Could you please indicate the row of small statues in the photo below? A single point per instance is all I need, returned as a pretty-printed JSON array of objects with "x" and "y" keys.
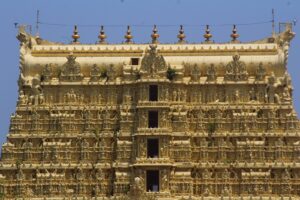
[{"x": 177, "y": 95}]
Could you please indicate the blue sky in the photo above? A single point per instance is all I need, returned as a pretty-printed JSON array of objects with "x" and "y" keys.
[{"x": 117, "y": 14}]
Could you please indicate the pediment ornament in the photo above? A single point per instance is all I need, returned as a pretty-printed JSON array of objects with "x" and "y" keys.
[
  {"x": 153, "y": 64},
  {"x": 71, "y": 70},
  {"x": 236, "y": 70}
]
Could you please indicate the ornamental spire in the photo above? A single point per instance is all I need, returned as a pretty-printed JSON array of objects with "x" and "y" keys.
[
  {"x": 128, "y": 36},
  {"x": 181, "y": 35},
  {"x": 207, "y": 34},
  {"x": 234, "y": 34},
  {"x": 155, "y": 35},
  {"x": 75, "y": 36},
  {"x": 102, "y": 36}
]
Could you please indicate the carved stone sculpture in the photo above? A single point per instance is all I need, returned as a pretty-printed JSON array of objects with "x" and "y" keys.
[{"x": 236, "y": 70}]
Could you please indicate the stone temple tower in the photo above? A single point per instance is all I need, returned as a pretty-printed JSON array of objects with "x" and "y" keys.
[{"x": 153, "y": 121}]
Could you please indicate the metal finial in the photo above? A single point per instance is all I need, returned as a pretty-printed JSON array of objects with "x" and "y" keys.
[
  {"x": 181, "y": 35},
  {"x": 102, "y": 36},
  {"x": 234, "y": 34},
  {"x": 207, "y": 34},
  {"x": 128, "y": 36},
  {"x": 75, "y": 35},
  {"x": 155, "y": 35}
]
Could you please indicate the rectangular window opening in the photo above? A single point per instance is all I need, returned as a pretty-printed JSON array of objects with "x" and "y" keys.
[
  {"x": 134, "y": 61},
  {"x": 152, "y": 148},
  {"x": 153, "y": 181},
  {"x": 153, "y": 93},
  {"x": 153, "y": 119}
]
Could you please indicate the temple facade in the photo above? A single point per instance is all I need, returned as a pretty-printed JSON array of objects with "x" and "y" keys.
[{"x": 153, "y": 121}]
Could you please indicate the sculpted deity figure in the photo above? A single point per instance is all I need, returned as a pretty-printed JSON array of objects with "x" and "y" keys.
[
  {"x": 279, "y": 148},
  {"x": 41, "y": 98},
  {"x": 23, "y": 99},
  {"x": 70, "y": 97},
  {"x": 252, "y": 95},
  {"x": 174, "y": 95},
  {"x": 95, "y": 73},
  {"x": 207, "y": 191},
  {"x": 195, "y": 73},
  {"x": 27, "y": 146},
  {"x": 85, "y": 113},
  {"x": 226, "y": 174},
  {"x": 36, "y": 91},
  {"x": 179, "y": 95},
  {"x": 286, "y": 175},
  {"x": 260, "y": 72},
  {"x": 100, "y": 98},
  {"x": 184, "y": 95},
  {"x": 20, "y": 175},
  {"x": 211, "y": 73},
  {"x": 286, "y": 96},
  {"x": 286, "y": 80},
  {"x": 47, "y": 72},
  {"x": 165, "y": 180},
  {"x": 236, "y": 96},
  {"x": 166, "y": 94},
  {"x": 271, "y": 95},
  {"x": 99, "y": 175},
  {"x": 84, "y": 145},
  {"x": 142, "y": 149},
  {"x": 206, "y": 174},
  {"x": 79, "y": 174},
  {"x": 143, "y": 117},
  {"x": 227, "y": 190},
  {"x": 81, "y": 98},
  {"x": 28, "y": 191},
  {"x": 138, "y": 186}
]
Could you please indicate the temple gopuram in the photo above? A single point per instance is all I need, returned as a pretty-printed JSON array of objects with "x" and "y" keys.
[{"x": 153, "y": 121}]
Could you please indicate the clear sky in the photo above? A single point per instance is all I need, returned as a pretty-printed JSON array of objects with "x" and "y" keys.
[{"x": 117, "y": 14}]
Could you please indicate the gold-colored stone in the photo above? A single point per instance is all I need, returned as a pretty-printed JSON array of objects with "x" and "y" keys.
[{"x": 141, "y": 122}]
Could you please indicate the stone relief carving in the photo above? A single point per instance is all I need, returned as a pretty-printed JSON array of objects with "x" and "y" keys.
[
  {"x": 153, "y": 64},
  {"x": 252, "y": 95},
  {"x": 22, "y": 99},
  {"x": 236, "y": 70},
  {"x": 211, "y": 73},
  {"x": 271, "y": 90},
  {"x": 95, "y": 73},
  {"x": 36, "y": 96},
  {"x": 73, "y": 97},
  {"x": 260, "y": 72},
  {"x": 192, "y": 70},
  {"x": 47, "y": 72},
  {"x": 71, "y": 70}
]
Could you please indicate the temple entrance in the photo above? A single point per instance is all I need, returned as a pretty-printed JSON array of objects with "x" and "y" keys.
[
  {"x": 153, "y": 181},
  {"x": 153, "y": 93},
  {"x": 152, "y": 148},
  {"x": 153, "y": 119}
]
